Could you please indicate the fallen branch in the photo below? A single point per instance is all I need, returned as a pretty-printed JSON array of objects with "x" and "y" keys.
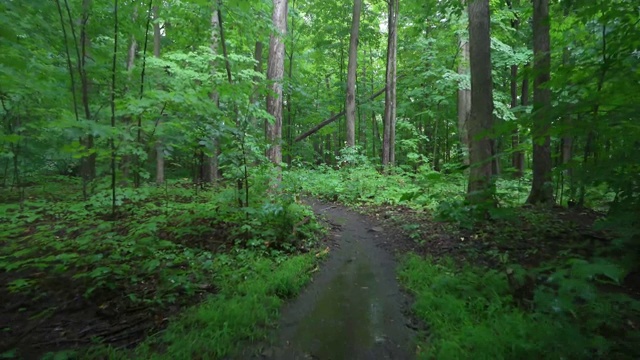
[{"x": 335, "y": 117}]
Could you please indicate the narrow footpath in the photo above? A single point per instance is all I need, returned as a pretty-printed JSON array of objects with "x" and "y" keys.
[{"x": 354, "y": 308}]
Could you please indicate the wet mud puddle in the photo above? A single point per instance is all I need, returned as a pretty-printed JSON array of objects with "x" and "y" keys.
[{"x": 354, "y": 308}]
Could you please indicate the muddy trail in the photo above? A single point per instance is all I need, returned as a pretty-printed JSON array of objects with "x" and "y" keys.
[{"x": 354, "y": 308}]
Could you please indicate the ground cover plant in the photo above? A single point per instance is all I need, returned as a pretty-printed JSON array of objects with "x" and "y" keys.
[
  {"x": 477, "y": 313},
  {"x": 73, "y": 279}
]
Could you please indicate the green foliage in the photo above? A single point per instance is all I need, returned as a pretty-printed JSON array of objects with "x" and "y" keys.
[
  {"x": 472, "y": 314},
  {"x": 165, "y": 236},
  {"x": 363, "y": 184},
  {"x": 251, "y": 290},
  {"x": 249, "y": 300}
]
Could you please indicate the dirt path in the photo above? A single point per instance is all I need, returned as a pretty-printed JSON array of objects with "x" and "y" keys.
[{"x": 353, "y": 309}]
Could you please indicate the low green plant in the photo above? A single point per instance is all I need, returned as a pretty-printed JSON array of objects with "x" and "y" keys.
[
  {"x": 251, "y": 290},
  {"x": 477, "y": 313}
]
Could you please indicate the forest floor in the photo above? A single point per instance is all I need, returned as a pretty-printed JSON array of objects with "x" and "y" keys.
[{"x": 363, "y": 302}]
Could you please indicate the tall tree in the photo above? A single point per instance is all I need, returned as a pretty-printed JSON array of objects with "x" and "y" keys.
[
  {"x": 481, "y": 118},
  {"x": 541, "y": 189},
  {"x": 566, "y": 149},
  {"x": 131, "y": 58},
  {"x": 257, "y": 56},
  {"x": 157, "y": 36},
  {"x": 112, "y": 141},
  {"x": 291, "y": 52},
  {"x": 517, "y": 155},
  {"x": 88, "y": 162},
  {"x": 275, "y": 73},
  {"x": 351, "y": 74},
  {"x": 211, "y": 161},
  {"x": 389, "y": 135},
  {"x": 464, "y": 99}
]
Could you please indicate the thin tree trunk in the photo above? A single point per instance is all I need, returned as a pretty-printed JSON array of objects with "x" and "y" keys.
[
  {"x": 362, "y": 132},
  {"x": 541, "y": 189},
  {"x": 342, "y": 108},
  {"x": 388, "y": 146},
  {"x": 112, "y": 141},
  {"x": 464, "y": 100},
  {"x": 590, "y": 148},
  {"x": 131, "y": 58},
  {"x": 138, "y": 163},
  {"x": 257, "y": 56},
  {"x": 481, "y": 118},
  {"x": 517, "y": 156},
  {"x": 566, "y": 146},
  {"x": 350, "y": 105},
  {"x": 290, "y": 90},
  {"x": 435, "y": 156},
  {"x": 275, "y": 73},
  {"x": 211, "y": 161},
  {"x": 374, "y": 124},
  {"x": 159, "y": 146},
  {"x": 87, "y": 163}
]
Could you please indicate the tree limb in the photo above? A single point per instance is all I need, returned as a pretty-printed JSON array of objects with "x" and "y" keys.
[{"x": 328, "y": 121}]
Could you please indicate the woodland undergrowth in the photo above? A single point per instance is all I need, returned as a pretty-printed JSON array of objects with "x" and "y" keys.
[
  {"x": 166, "y": 249},
  {"x": 506, "y": 282}
]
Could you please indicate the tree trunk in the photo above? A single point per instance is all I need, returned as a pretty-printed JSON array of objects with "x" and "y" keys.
[
  {"x": 211, "y": 161},
  {"x": 388, "y": 143},
  {"x": 541, "y": 189},
  {"x": 481, "y": 117},
  {"x": 464, "y": 100},
  {"x": 275, "y": 73},
  {"x": 352, "y": 67},
  {"x": 88, "y": 163},
  {"x": 289, "y": 136},
  {"x": 362, "y": 122},
  {"x": 159, "y": 147},
  {"x": 257, "y": 56},
  {"x": 517, "y": 156},
  {"x": 131, "y": 57},
  {"x": 566, "y": 149}
]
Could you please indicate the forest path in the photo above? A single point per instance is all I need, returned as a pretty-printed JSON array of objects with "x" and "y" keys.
[{"x": 354, "y": 308}]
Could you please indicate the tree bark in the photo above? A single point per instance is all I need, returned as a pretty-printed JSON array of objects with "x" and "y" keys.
[
  {"x": 389, "y": 136},
  {"x": 541, "y": 189},
  {"x": 131, "y": 58},
  {"x": 464, "y": 101},
  {"x": 289, "y": 136},
  {"x": 566, "y": 149},
  {"x": 159, "y": 146},
  {"x": 211, "y": 161},
  {"x": 481, "y": 117},
  {"x": 517, "y": 156},
  {"x": 88, "y": 163},
  {"x": 257, "y": 57},
  {"x": 352, "y": 67},
  {"x": 275, "y": 73}
]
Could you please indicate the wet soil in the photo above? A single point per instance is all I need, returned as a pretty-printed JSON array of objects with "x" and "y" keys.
[{"x": 354, "y": 308}]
